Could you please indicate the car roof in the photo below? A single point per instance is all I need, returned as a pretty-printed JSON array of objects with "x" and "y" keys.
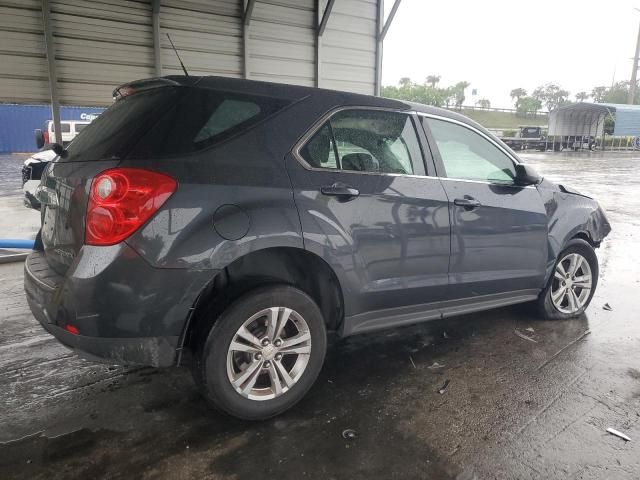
[
  {"x": 332, "y": 98},
  {"x": 299, "y": 92}
]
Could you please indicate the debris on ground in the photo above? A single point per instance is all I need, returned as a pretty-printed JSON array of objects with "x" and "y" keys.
[
  {"x": 444, "y": 387},
  {"x": 349, "y": 434},
  {"x": 444, "y": 335},
  {"x": 615, "y": 432},
  {"x": 523, "y": 336},
  {"x": 435, "y": 366},
  {"x": 607, "y": 307},
  {"x": 414, "y": 365},
  {"x": 530, "y": 330}
]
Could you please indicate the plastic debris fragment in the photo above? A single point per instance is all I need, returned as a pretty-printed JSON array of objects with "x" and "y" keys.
[
  {"x": 444, "y": 387},
  {"x": 615, "y": 432},
  {"x": 523, "y": 336}
]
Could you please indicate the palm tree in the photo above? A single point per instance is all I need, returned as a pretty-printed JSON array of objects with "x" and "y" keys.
[
  {"x": 405, "y": 81},
  {"x": 433, "y": 80}
]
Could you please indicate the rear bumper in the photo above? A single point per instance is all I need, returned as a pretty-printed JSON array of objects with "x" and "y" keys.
[
  {"x": 151, "y": 351},
  {"x": 125, "y": 311}
]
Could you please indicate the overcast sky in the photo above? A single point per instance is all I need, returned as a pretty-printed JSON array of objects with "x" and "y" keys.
[{"x": 498, "y": 45}]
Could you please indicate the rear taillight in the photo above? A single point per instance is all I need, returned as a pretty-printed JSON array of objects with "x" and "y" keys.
[
  {"x": 45, "y": 135},
  {"x": 121, "y": 200}
]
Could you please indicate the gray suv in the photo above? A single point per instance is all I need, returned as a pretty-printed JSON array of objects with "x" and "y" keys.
[{"x": 239, "y": 221}]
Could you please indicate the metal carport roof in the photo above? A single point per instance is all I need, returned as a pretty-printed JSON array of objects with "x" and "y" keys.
[{"x": 587, "y": 119}]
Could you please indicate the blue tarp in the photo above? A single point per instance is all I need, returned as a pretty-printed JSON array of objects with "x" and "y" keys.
[{"x": 17, "y": 123}]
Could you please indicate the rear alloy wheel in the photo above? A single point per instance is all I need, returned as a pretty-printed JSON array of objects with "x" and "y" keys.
[
  {"x": 269, "y": 353},
  {"x": 572, "y": 284},
  {"x": 263, "y": 353}
]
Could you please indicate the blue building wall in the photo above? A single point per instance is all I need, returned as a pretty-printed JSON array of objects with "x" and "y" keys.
[{"x": 17, "y": 123}]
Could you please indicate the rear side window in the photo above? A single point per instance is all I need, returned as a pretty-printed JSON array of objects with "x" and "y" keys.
[
  {"x": 169, "y": 121},
  {"x": 202, "y": 118}
]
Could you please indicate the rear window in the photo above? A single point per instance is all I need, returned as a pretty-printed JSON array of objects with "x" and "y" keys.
[
  {"x": 170, "y": 121},
  {"x": 113, "y": 133},
  {"x": 80, "y": 127}
]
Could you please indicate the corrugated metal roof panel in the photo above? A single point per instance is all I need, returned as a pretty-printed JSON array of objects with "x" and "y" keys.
[
  {"x": 349, "y": 46},
  {"x": 23, "y": 67}
]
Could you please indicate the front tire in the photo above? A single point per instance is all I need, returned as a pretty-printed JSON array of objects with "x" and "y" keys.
[
  {"x": 572, "y": 284},
  {"x": 263, "y": 353}
]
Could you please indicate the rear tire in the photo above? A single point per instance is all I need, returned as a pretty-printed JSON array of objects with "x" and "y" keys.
[
  {"x": 568, "y": 293},
  {"x": 263, "y": 353}
]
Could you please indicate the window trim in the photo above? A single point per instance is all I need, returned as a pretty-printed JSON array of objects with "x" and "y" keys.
[
  {"x": 327, "y": 116},
  {"x": 440, "y": 164}
]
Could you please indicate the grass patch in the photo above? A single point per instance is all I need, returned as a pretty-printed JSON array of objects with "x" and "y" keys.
[{"x": 503, "y": 120}]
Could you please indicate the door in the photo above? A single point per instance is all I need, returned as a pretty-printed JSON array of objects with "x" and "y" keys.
[
  {"x": 498, "y": 229},
  {"x": 369, "y": 209}
]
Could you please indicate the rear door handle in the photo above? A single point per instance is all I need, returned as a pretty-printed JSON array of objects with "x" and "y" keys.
[
  {"x": 468, "y": 203},
  {"x": 339, "y": 189}
]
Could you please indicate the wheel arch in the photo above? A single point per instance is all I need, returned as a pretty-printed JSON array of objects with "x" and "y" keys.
[{"x": 275, "y": 265}]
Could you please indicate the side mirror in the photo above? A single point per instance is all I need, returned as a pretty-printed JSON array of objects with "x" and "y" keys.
[
  {"x": 58, "y": 150},
  {"x": 526, "y": 175},
  {"x": 39, "y": 138}
]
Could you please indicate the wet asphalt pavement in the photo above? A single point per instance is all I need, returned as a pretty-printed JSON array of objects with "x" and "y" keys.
[{"x": 513, "y": 408}]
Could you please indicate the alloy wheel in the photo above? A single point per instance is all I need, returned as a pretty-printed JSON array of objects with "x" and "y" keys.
[
  {"x": 572, "y": 283},
  {"x": 269, "y": 353}
]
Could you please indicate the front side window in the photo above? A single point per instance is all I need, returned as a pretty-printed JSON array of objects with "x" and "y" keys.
[
  {"x": 370, "y": 141},
  {"x": 466, "y": 155}
]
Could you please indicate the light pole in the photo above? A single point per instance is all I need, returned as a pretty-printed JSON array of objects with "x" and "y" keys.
[{"x": 634, "y": 72}]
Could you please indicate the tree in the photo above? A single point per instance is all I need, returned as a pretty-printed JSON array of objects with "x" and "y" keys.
[
  {"x": 483, "y": 103},
  {"x": 617, "y": 93},
  {"x": 516, "y": 95},
  {"x": 433, "y": 80},
  {"x": 422, "y": 93},
  {"x": 598, "y": 94},
  {"x": 582, "y": 96},
  {"x": 529, "y": 105},
  {"x": 458, "y": 92},
  {"x": 551, "y": 95}
]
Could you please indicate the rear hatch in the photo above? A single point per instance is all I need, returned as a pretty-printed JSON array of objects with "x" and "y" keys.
[
  {"x": 153, "y": 122},
  {"x": 66, "y": 182}
]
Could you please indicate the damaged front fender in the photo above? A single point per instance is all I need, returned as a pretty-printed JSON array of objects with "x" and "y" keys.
[{"x": 571, "y": 215}]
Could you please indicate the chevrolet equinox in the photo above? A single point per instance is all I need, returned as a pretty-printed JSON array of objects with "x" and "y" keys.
[{"x": 240, "y": 221}]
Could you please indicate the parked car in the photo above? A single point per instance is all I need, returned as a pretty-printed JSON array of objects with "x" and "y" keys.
[
  {"x": 70, "y": 130},
  {"x": 239, "y": 221},
  {"x": 32, "y": 169}
]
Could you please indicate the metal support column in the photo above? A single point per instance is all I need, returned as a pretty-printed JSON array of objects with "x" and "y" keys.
[
  {"x": 322, "y": 25},
  {"x": 382, "y": 27},
  {"x": 51, "y": 64},
  {"x": 246, "y": 21},
  {"x": 634, "y": 73},
  {"x": 155, "y": 20}
]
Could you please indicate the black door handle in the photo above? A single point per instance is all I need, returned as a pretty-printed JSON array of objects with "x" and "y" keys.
[
  {"x": 469, "y": 203},
  {"x": 340, "y": 190}
]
